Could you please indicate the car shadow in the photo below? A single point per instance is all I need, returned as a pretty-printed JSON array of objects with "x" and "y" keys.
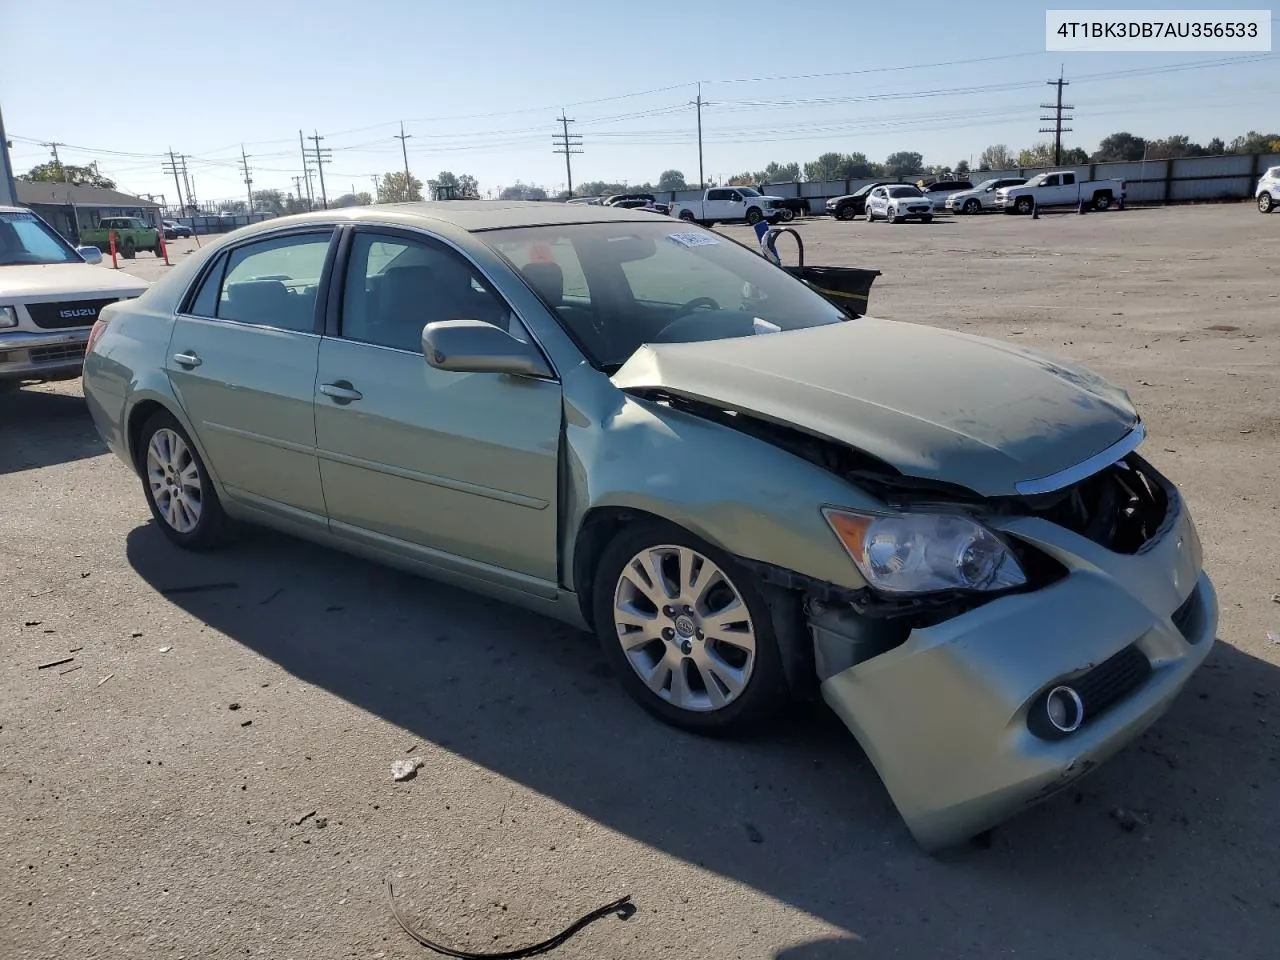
[
  {"x": 797, "y": 814},
  {"x": 40, "y": 428}
]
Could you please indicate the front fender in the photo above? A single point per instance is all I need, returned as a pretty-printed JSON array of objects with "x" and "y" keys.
[{"x": 737, "y": 492}]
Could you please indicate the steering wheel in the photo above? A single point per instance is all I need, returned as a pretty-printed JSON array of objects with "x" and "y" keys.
[{"x": 695, "y": 303}]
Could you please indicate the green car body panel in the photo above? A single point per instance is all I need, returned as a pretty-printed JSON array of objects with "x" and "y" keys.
[{"x": 495, "y": 482}]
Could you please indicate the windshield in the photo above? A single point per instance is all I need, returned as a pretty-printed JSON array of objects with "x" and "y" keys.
[
  {"x": 905, "y": 192},
  {"x": 747, "y": 191},
  {"x": 25, "y": 239},
  {"x": 618, "y": 286}
]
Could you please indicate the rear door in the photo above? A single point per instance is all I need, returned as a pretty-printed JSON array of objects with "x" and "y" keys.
[
  {"x": 1069, "y": 192},
  {"x": 719, "y": 206},
  {"x": 242, "y": 361}
]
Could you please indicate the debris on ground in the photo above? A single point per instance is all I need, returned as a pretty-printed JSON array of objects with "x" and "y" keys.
[
  {"x": 406, "y": 769},
  {"x": 63, "y": 673},
  {"x": 1273, "y": 637},
  {"x": 105, "y": 679},
  {"x": 74, "y": 649},
  {"x": 201, "y": 588},
  {"x": 622, "y": 907},
  {"x": 246, "y": 723},
  {"x": 233, "y": 706},
  {"x": 165, "y": 649},
  {"x": 1128, "y": 820},
  {"x": 304, "y": 818},
  {"x": 54, "y": 663}
]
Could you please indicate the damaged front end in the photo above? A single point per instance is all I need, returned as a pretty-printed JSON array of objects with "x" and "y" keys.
[
  {"x": 973, "y": 707},
  {"x": 974, "y": 704}
]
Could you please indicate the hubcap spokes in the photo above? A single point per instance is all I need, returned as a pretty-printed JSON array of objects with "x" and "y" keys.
[
  {"x": 684, "y": 628},
  {"x": 174, "y": 480}
]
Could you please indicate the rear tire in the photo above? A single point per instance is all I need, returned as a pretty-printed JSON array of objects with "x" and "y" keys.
[
  {"x": 787, "y": 215},
  {"x": 709, "y": 671},
  {"x": 686, "y": 216},
  {"x": 1102, "y": 202},
  {"x": 1266, "y": 204},
  {"x": 177, "y": 486}
]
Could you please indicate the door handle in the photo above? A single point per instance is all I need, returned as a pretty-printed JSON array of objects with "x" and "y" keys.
[
  {"x": 341, "y": 392},
  {"x": 187, "y": 359}
]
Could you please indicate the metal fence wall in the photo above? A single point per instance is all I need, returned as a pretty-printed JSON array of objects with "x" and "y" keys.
[{"x": 1185, "y": 180}]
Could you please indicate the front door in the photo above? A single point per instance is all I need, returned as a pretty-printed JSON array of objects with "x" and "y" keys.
[
  {"x": 242, "y": 361},
  {"x": 427, "y": 462}
]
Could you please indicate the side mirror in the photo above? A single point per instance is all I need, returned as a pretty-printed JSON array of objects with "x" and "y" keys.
[
  {"x": 990, "y": 189},
  {"x": 90, "y": 254},
  {"x": 473, "y": 346}
]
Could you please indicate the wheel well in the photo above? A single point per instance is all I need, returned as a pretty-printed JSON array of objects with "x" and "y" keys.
[
  {"x": 599, "y": 526},
  {"x": 137, "y": 418}
]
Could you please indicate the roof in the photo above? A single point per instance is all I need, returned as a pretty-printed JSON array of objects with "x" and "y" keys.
[
  {"x": 42, "y": 191},
  {"x": 473, "y": 215}
]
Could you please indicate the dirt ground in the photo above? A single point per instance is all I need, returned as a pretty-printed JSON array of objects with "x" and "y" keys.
[{"x": 213, "y": 780}]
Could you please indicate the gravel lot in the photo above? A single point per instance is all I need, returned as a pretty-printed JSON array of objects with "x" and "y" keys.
[{"x": 150, "y": 800}]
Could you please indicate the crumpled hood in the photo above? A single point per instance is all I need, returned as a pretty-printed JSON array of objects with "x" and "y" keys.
[
  {"x": 57, "y": 281},
  {"x": 935, "y": 404}
]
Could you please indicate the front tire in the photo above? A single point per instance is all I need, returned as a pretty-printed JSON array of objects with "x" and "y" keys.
[
  {"x": 687, "y": 631},
  {"x": 926, "y": 219},
  {"x": 1023, "y": 205},
  {"x": 130, "y": 251},
  {"x": 754, "y": 216},
  {"x": 847, "y": 212},
  {"x": 871, "y": 217},
  {"x": 1265, "y": 203},
  {"x": 972, "y": 205},
  {"x": 177, "y": 487},
  {"x": 787, "y": 215}
]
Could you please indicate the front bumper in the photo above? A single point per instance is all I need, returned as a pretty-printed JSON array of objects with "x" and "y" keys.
[
  {"x": 944, "y": 716},
  {"x": 53, "y": 355}
]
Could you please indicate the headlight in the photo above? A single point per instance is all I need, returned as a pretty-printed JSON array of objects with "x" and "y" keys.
[
  {"x": 910, "y": 553},
  {"x": 8, "y": 317}
]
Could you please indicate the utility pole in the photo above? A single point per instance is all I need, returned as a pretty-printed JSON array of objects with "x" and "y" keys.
[
  {"x": 172, "y": 167},
  {"x": 322, "y": 157},
  {"x": 8, "y": 188},
  {"x": 191, "y": 190},
  {"x": 56, "y": 162},
  {"x": 306, "y": 171},
  {"x": 1057, "y": 129},
  {"x": 377, "y": 186},
  {"x": 297, "y": 187},
  {"x": 248, "y": 180},
  {"x": 700, "y": 103},
  {"x": 404, "y": 150},
  {"x": 565, "y": 142}
]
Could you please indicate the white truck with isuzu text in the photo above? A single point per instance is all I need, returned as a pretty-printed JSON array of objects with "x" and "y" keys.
[
  {"x": 1059, "y": 188},
  {"x": 50, "y": 297},
  {"x": 729, "y": 205}
]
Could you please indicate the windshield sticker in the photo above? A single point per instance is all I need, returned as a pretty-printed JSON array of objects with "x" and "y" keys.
[
  {"x": 16, "y": 217},
  {"x": 764, "y": 326},
  {"x": 693, "y": 239}
]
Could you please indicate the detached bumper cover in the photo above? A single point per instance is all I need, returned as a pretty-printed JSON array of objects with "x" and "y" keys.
[{"x": 944, "y": 717}]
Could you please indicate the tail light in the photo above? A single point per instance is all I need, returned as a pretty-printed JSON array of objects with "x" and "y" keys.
[{"x": 95, "y": 334}]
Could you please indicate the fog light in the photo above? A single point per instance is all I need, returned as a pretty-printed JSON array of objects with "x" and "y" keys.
[{"x": 1064, "y": 709}]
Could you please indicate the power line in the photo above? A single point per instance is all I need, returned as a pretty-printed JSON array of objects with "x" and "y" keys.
[
  {"x": 565, "y": 142},
  {"x": 1057, "y": 129}
]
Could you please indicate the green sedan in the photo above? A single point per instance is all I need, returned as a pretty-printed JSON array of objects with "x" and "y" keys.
[{"x": 651, "y": 432}]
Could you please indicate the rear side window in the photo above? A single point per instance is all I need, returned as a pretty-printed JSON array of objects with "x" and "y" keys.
[
  {"x": 205, "y": 303},
  {"x": 275, "y": 283}
]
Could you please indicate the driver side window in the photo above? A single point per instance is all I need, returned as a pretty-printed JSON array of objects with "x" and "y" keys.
[{"x": 395, "y": 286}]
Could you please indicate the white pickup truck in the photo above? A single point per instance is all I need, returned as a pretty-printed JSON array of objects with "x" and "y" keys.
[
  {"x": 729, "y": 205},
  {"x": 50, "y": 295},
  {"x": 1058, "y": 188}
]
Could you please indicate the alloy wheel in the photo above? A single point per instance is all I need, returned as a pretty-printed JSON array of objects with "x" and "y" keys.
[
  {"x": 174, "y": 481},
  {"x": 684, "y": 628}
]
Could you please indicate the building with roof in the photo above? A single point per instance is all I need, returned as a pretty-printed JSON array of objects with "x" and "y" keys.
[{"x": 69, "y": 207}]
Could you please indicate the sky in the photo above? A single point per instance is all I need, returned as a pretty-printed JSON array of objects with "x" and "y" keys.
[{"x": 479, "y": 86}]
